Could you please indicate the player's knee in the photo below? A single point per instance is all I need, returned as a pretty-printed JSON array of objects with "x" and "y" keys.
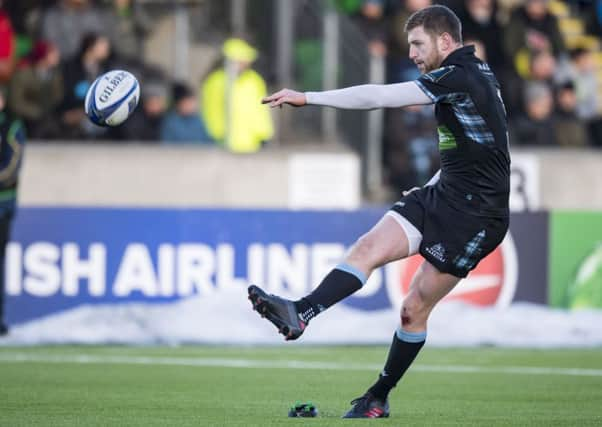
[{"x": 413, "y": 310}]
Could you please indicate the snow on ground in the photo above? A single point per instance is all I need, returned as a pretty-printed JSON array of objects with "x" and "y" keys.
[{"x": 227, "y": 318}]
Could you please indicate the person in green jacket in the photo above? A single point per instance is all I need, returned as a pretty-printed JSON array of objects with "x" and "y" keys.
[
  {"x": 231, "y": 101},
  {"x": 36, "y": 91}
]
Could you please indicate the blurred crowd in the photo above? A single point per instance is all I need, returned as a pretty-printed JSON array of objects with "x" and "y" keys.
[
  {"x": 550, "y": 89},
  {"x": 52, "y": 51}
]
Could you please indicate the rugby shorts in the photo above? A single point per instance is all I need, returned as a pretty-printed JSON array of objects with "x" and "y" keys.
[{"x": 451, "y": 240}]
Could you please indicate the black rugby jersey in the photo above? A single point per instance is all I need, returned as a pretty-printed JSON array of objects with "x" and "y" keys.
[{"x": 473, "y": 137}]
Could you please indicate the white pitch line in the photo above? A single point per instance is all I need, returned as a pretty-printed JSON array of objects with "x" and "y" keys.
[{"x": 284, "y": 364}]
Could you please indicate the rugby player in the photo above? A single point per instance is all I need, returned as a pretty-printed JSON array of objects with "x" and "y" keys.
[{"x": 454, "y": 221}]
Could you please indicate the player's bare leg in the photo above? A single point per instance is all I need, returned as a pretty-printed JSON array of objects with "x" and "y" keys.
[
  {"x": 428, "y": 287},
  {"x": 385, "y": 242}
]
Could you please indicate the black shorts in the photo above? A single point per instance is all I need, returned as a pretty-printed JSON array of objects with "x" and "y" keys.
[{"x": 453, "y": 241}]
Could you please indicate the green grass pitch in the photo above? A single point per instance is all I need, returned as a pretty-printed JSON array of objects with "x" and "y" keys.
[{"x": 255, "y": 386}]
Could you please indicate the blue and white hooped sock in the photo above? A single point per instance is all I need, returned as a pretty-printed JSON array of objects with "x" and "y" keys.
[
  {"x": 411, "y": 337},
  {"x": 347, "y": 268}
]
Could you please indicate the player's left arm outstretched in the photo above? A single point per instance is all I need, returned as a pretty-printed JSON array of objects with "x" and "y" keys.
[{"x": 362, "y": 97}]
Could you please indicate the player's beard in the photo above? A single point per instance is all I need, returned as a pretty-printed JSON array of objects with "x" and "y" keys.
[{"x": 432, "y": 63}]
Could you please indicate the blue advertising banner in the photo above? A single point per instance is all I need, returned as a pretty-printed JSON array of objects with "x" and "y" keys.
[{"x": 61, "y": 258}]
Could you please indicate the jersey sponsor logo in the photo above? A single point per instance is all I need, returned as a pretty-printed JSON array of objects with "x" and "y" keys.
[
  {"x": 447, "y": 141},
  {"x": 492, "y": 283}
]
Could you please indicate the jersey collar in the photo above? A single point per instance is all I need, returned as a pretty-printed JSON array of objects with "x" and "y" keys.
[{"x": 456, "y": 55}]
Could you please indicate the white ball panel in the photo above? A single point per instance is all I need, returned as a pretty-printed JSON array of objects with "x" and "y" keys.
[{"x": 115, "y": 96}]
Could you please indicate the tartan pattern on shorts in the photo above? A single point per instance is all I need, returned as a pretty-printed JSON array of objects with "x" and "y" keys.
[{"x": 472, "y": 250}]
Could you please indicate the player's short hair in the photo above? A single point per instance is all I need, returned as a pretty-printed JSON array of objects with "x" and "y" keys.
[{"x": 436, "y": 20}]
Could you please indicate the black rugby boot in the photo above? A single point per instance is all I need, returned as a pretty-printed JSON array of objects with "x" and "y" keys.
[
  {"x": 281, "y": 312},
  {"x": 368, "y": 406}
]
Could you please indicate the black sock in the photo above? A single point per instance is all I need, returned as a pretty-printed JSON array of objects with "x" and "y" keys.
[
  {"x": 341, "y": 282},
  {"x": 403, "y": 351},
  {"x": 306, "y": 310}
]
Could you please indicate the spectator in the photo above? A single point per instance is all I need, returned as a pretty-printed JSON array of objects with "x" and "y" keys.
[
  {"x": 20, "y": 13},
  {"x": 129, "y": 24},
  {"x": 7, "y": 46},
  {"x": 412, "y": 153},
  {"x": 183, "y": 123},
  {"x": 531, "y": 28},
  {"x": 36, "y": 91},
  {"x": 536, "y": 127},
  {"x": 569, "y": 130},
  {"x": 349, "y": 7},
  {"x": 66, "y": 24},
  {"x": 25, "y": 19},
  {"x": 145, "y": 123},
  {"x": 12, "y": 138},
  {"x": 542, "y": 66},
  {"x": 372, "y": 22},
  {"x": 231, "y": 101},
  {"x": 78, "y": 75},
  {"x": 582, "y": 71},
  {"x": 592, "y": 15},
  {"x": 479, "y": 23}
]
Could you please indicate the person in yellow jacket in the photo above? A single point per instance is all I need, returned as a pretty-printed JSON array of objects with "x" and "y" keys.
[{"x": 231, "y": 101}]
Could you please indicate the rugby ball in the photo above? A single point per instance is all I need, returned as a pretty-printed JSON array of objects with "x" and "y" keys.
[{"x": 112, "y": 98}]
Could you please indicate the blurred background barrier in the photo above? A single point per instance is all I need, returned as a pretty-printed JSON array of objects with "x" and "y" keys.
[
  {"x": 309, "y": 176},
  {"x": 168, "y": 176}
]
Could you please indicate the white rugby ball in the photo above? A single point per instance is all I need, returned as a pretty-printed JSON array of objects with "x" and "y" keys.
[{"x": 112, "y": 98}]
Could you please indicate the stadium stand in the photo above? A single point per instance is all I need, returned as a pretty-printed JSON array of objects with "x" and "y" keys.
[{"x": 537, "y": 47}]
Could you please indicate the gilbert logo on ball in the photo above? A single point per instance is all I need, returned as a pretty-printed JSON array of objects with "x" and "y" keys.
[
  {"x": 112, "y": 98},
  {"x": 491, "y": 283}
]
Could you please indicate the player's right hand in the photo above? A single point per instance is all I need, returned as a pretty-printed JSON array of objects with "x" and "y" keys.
[{"x": 285, "y": 96}]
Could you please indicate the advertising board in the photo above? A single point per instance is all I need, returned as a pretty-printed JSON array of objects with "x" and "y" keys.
[{"x": 63, "y": 258}]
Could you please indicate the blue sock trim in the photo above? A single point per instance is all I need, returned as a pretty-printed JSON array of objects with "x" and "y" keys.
[
  {"x": 353, "y": 271},
  {"x": 413, "y": 337}
]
